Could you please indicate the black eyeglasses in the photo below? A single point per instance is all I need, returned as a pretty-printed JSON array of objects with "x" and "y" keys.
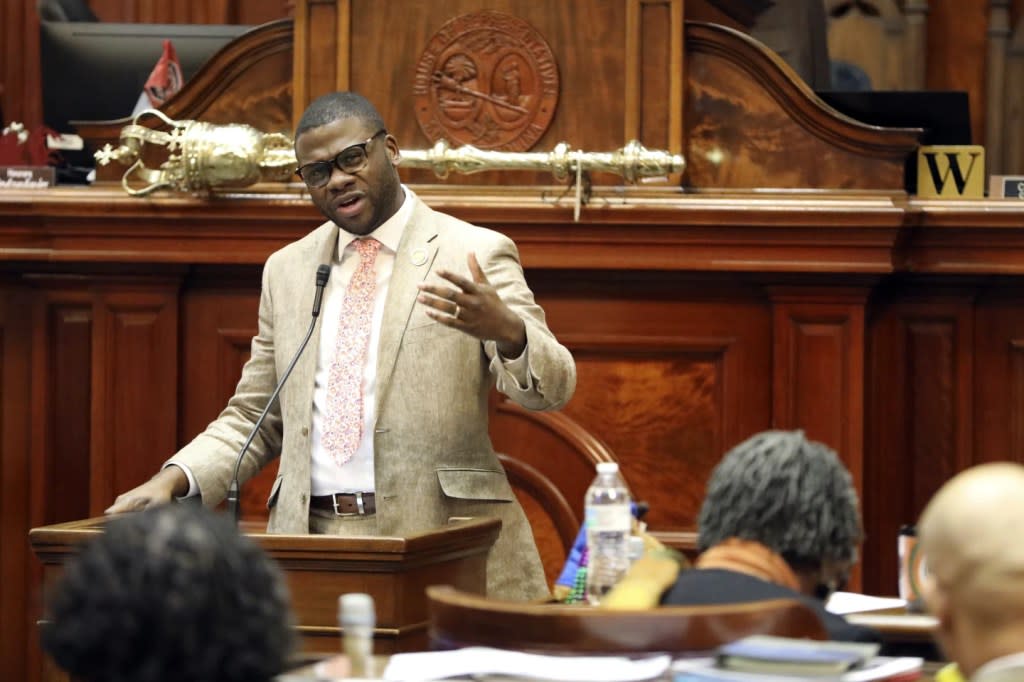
[{"x": 351, "y": 159}]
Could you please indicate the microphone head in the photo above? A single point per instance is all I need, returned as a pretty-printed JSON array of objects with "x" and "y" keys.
[{"x": 322, "y": 273}]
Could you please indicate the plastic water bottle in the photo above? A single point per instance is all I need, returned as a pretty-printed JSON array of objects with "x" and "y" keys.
[
  {"x": 357, "y": 618},
  {"x": 609, "y": 525}
]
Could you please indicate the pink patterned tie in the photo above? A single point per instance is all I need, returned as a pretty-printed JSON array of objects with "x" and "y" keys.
[{"x": 344, "y": 416}]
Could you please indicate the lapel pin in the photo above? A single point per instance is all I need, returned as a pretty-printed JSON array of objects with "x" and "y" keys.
[{"x": 418, "y": 256}]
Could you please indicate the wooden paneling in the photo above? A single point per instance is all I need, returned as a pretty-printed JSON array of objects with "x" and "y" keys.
[
  {"x": 819, "y": 368},
  {"x": 957, "y": 46},
  {"x": 1016, "y": 406},
  {"x": 219, "y": 316},
  {"x": 654, "y": 56},
  {"x": 659, "y": 370},
  {"x": 323, "y": 65},
  {"x": 999, "y": 377},
  {"x": 68, "y": 388},
  {"x": 587, "y": 38},
  {"x": 135, "y": 362},
  {"x": 20, "y": 73},
  {"x": 17, "y": 599},
  {"x": 920, "y": 411},
  {"x": 191, "y": 11}
]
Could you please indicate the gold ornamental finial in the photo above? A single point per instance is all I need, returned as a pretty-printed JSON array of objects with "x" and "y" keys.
[{"x": 200, "y": 156}]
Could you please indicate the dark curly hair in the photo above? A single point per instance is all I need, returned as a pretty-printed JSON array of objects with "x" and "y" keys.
[
  {"x": 787, "y": 493},
  {"x": 171, "y": 593}
]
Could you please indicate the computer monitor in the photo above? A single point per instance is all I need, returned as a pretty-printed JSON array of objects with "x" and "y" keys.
[
  {"x": 96, "y": 71},
  {"x": 944, "y": 116}
]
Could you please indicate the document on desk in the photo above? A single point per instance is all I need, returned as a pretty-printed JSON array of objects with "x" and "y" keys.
[
  {"x": 878, "y": 669},
  {"x": 477, "y": 661},
  {"x": 842, "y": 603}
]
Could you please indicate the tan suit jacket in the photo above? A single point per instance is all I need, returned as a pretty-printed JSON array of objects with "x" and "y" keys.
[{"x": 433, "y": 457}]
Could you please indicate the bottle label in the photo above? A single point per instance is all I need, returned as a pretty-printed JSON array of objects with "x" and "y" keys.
[
  {"x": 609, "y": 518},
  {"x": 913, "y": 570}
]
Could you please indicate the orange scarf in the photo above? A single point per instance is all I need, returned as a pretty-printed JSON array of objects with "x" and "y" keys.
[{"x": 752, "y": 558}]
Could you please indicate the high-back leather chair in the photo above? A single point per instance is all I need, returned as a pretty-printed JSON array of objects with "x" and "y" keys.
[{"x": 458, "y": 619}]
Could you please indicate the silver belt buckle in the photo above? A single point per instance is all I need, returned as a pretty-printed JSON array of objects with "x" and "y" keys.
[
  {"x": 360, "y": 509},
  {"x": 338, "y": 512}
]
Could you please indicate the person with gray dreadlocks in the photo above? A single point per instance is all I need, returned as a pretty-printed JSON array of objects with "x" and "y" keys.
[{"x": 780, "y": 520}]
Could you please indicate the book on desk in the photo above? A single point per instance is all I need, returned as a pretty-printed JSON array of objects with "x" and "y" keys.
[
  {"x": 762, "y": 653},
  {"x": 771, "y": 659}
]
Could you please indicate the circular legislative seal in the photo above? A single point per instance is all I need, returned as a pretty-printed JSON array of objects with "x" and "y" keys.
[{"x": 487, "y": 79}]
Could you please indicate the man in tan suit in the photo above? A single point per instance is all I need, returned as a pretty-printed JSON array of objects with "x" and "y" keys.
[
  {"x": 970, "y": 538},
  {"x": 447, "y": 314}
]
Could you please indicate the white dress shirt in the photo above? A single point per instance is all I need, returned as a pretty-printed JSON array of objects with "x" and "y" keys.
[{"x": 356, "y": 475}]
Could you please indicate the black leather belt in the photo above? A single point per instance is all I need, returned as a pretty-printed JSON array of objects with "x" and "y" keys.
[{"x": 345, "y": 504}]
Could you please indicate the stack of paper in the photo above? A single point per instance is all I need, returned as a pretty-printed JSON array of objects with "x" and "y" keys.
[{"x": 437, "y": 665}]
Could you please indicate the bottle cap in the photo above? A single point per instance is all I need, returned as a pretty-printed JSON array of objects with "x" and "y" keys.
[
  {"x": 355, "y": 609},
  {"x": 607, "y": 467}
]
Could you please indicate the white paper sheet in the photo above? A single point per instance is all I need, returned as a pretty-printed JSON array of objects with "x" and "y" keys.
[
  {"x": 438, "y": 665},
  {"x": 879, "y": 668},
  {"x": 851, "y": 602}
]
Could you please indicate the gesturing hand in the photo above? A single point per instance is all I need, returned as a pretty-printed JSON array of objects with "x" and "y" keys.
[{"x": 474, "y": 307}]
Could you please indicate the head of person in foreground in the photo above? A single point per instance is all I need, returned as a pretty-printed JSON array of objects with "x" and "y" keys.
[
  {"x": 970, "y": 535},
  {"x": 173, "y": 593}
]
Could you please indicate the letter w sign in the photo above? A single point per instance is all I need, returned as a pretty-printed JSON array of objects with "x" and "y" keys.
[{"x": 951, "y": 171}]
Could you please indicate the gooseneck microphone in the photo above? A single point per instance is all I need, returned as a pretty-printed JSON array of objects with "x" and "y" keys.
[{"x": 322, "y": 273}]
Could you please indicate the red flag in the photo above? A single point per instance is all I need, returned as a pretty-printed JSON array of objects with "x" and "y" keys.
[{"x": 166, "y": 79}]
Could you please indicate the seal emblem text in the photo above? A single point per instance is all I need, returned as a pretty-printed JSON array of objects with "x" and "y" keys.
[{"x": 487, "y": 79}]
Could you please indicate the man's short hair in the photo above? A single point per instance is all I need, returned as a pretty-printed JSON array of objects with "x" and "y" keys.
[
  {"x": 335, "y": 106},
  {"x": 170, "y": 594},
  {"x": 787, "y": 493}
]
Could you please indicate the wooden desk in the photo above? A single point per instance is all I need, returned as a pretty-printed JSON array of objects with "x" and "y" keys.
[
  {"x": 903, "y": 633},
  {"x": 898, "y": 625}
]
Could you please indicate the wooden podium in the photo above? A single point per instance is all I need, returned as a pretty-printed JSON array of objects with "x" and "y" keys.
[{"x": 396, "y": 571}]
